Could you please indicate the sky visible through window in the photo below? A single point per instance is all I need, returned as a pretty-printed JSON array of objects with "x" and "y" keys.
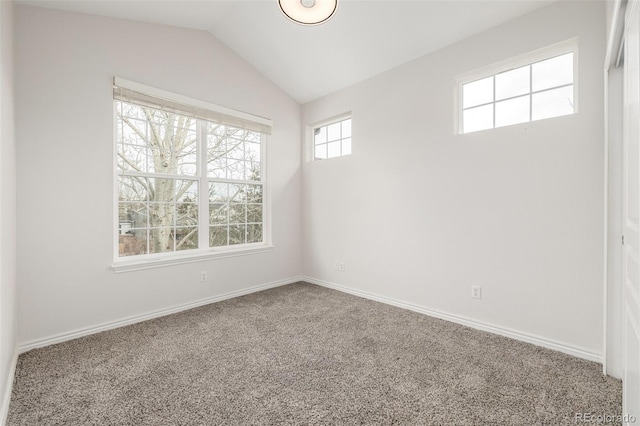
[
  {"x": 332, "y": 140},
  {"x": 533, "y": 92}
]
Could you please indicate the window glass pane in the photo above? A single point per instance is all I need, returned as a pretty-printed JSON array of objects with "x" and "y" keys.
[
  {"x": 132, "y": 215},
  {"x": 253, "y": 194},
  {"x": 346, "y": 146},
  {"x": 161, "y": 214},
  {"x": 252, "y": 164},
  {"x": 477, "y": 92},
  {"x": 233, "y": 153},
  {"x": 252, "y": 170},
  {"x": 133, "y": 158},
  {"x": 253, "y": 151},
  {"x": 186, "y": 238},
  {"x": 133, "y": 188},
  {"x": 187, "y": 158},
  {"x": 237, "y": 234},
  {"x": 132, "y": 137},
  {"x": 512, "y": 83},
  {"x": 254, "y": 233},
  {"x": 132, "y": 224},
  {"x": 333, "y": 132},
  {"x": 478, "y": 118},
  {"x": 333, "y": 149},
  {"x": 187, "y": 191},
  {"x": 553, "y": 103},
  {"x": 218, "y": 214},
  {"x": 237, "y": 213},
  {"x": 217, "y": 167},
  {"x": 218, "y": 236},
  {"x": 346, "y": 128},
  {"x": 512, "y": 111},
  {"x": 553, "y": 72},
  {"x": 235, "y": 149},
  {"x": 253, "y": 137},
  {"x": 320, "y": 135},
  {"x": 218, "y": 192},
  {"x": 133, "y": 242},
  {"x": 235, "y": 169},
  {"x": 133, "y": 132},
  {"x": 163, "y": 190},
  {"x": 216, "y": 151},
  {"x": 237, "y": 193},
  {"x": 161, "y": 240},
  {"x": 186, "y": 214},
  {"x": 254, "y": 213},
  {"x": 172, "y": 143},
  {"x": 321, "y": 152}
]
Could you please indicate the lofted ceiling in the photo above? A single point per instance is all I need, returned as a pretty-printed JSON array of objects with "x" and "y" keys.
[{"x": 364, "y": 38}]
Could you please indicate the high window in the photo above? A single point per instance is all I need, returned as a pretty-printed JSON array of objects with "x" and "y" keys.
[
  {"x": 518, "y": 93},
  {"x": 190, "y": 177},
  {"x": 332, "y": 139}
]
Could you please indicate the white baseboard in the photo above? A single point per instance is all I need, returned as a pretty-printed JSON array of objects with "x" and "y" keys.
[
  {"x": 8, "y": 388},
  {"x": 479, "y": 325},
  {"x": 63, "y": 337}
]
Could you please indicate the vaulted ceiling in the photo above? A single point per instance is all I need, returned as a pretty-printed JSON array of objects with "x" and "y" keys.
[{"x": 364, "y": 38}]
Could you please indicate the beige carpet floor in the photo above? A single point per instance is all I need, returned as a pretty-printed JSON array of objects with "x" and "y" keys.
[{"x": 303, "y": 354}]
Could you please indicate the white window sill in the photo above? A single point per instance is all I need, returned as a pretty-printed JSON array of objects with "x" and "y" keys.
[{"x": 181, "y": 258}]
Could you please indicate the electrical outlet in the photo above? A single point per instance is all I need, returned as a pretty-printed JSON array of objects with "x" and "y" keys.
[
  {"x": 341, "y": 267},
  {"x": 476, "y": 292},
  {"x": 203, "y": 276}
]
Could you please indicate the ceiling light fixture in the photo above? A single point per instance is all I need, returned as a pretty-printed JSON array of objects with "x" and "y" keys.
[{"x": 308, "y": 12}]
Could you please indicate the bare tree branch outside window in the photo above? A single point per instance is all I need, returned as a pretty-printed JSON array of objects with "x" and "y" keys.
[{"x": 159, "y": 176}]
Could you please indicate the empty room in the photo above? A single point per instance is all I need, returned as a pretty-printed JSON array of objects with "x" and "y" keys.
[{"x": 327, "y": 212}]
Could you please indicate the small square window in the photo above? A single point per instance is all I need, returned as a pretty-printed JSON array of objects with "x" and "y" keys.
[{"x": 332, "y": 140}]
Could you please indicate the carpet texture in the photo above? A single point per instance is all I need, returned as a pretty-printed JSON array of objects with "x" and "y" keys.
[{"x": 303, "y": 354}]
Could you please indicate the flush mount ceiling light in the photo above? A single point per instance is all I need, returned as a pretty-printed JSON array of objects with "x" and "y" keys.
[{"x": 308, "y": 12}]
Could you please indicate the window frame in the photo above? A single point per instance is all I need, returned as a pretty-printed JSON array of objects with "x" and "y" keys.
[
  {"x": 202, "y": 253},
  {"x": 310, "y": 137},
  {"x": 529, "y": 58}
]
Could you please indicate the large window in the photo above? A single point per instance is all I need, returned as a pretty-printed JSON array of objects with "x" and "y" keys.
[
  {"x": 517, "y": 94},
  {"x": 188, "y": 179}
]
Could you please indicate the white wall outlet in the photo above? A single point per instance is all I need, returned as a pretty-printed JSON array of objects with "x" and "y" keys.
[
  {"x": 203, "y": 276},
  {"x": 476, "y": 292},
  {"x": 341, "y": 267}
]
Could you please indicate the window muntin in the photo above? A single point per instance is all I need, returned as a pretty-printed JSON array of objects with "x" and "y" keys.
[
  {"x": 332, "y": 140},
  {"x": 172, "y": 168},
  {"x": 539, "y": 90}
]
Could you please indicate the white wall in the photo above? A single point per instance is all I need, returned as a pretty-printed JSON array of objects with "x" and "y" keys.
[
  {"x": 65, "y": 64},
  {"x": 419, "y": 214},
  {"x": 8, "y": 301}
]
